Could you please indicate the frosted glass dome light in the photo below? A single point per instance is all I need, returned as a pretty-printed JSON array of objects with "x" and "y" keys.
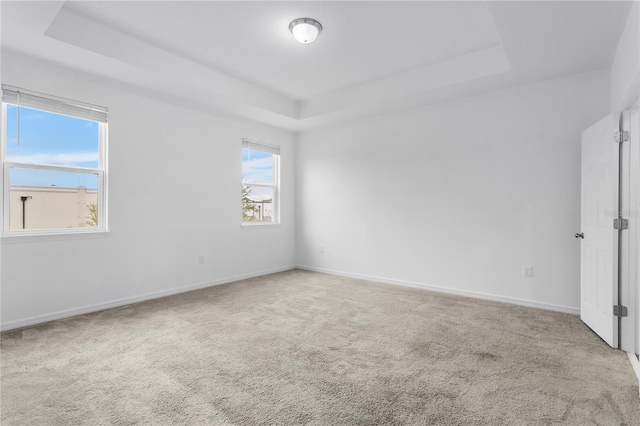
[{"x": 305, "y": 30}]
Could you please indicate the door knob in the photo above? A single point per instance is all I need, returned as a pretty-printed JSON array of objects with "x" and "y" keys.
[{"x": 580, "y": 235}]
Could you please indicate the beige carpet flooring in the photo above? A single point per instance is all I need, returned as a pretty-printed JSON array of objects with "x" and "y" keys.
[{"x": 307, "y": 348}]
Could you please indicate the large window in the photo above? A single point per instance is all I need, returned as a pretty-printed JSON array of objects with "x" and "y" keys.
[
  {"x": 54, "y": 164},
  {"x": 260, "y": 183}
]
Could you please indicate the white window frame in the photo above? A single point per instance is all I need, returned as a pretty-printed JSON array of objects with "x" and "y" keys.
[
  {"x": 100, "y": 171},
  {"x": 275, "y": 151}
]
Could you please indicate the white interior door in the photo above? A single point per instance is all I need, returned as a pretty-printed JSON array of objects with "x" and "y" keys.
[{"x": 599, "y": 246}]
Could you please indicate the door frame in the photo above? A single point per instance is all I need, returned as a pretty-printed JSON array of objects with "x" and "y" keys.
[
  {"x": 636, "y": 256},
  {"x": 631, "y": 286},
  {"x": 634, "y": 249},
  {"x": 630, "y": 244}
]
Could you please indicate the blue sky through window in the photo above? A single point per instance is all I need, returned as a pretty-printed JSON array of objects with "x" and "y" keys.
[
  {"x": 52, "y": 139},
  {"x": 257, "y": 167},
  {"x": 32, "y": 177}
]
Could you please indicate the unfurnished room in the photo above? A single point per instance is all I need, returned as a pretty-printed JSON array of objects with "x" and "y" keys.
[{"x": 320, "y": 213}]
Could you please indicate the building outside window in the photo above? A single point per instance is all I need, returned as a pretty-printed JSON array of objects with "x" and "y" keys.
[
  {"x": 260, "y": 183},
  {"x": 54, "y": 164}
]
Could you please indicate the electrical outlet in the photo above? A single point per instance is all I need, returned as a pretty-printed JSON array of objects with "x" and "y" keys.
[
  {"x": 201, "y": 259},
  {"x": 321, "y": 249},
  {"x": 527, "y": 271}
]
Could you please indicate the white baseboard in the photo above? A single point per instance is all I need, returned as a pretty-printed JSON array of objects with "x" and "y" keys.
[
  {"x": 468, "y": 293},
  {"x": 38, "y": 319}
]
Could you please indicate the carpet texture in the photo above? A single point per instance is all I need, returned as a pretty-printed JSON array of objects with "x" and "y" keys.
[{"x": 307, "y": 348}]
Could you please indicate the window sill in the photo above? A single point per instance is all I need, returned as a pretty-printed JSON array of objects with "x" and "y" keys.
[
  {"x": 35, "y": 236},
  {"x": 259, "y": 225}
]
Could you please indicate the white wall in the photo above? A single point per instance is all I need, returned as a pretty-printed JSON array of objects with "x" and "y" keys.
[
  {"x": 460, "y": 195},
  {"x": 163, "y": 159},
  {"x": 625, "y": 70}
]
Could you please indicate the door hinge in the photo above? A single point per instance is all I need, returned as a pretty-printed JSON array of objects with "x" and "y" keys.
[
  {"x": 620, "y": 311},
  {"x": 622, "y": 136},
  {"x": 620, "y": 224}
]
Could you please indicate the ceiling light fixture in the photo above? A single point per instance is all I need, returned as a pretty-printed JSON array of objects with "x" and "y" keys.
[{"x": 305, "y": 30}]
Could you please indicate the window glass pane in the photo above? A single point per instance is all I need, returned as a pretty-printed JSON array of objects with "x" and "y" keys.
[
  {"x": 257, "y": 204},
  {"x": 43, "y": 199},
  {"x": 48, "y": 138},
  {"x": 257, "y": 167}
]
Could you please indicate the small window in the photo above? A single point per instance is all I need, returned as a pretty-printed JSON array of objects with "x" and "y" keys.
[
  {"x": 54, "y": 163},
  {"x": 260, "y": 183}
]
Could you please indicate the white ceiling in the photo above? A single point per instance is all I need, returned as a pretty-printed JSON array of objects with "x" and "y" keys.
[
  {"x": 371, "y": 58},
  {"x": 252, "y": 41}
]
